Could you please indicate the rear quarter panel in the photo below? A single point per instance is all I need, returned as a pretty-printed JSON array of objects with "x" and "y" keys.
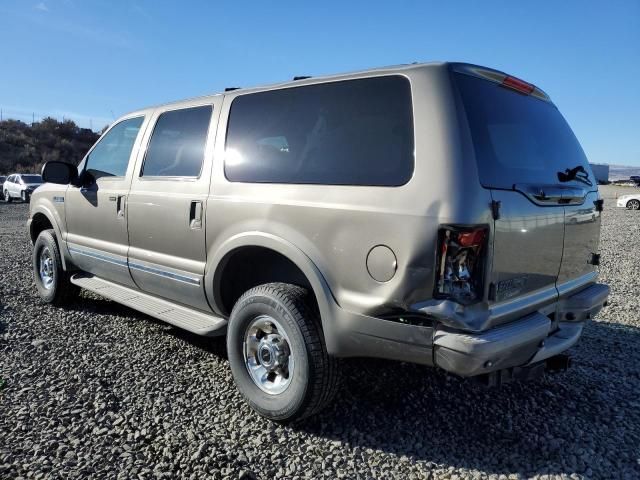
[{"x": 337, "y": 226}]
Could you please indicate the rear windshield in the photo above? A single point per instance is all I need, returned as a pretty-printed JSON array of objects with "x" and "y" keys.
[
  {"x": 31, "y": 178},
  {"x": 517, "y": 138}
]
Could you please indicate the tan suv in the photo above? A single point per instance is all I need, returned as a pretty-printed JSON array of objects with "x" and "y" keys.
[{"x": 442, "y": 214}]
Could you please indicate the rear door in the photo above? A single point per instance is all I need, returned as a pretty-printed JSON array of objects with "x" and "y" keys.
[
  {"x": 167, "y": 201},
  {"x": 548, "y": 225}
]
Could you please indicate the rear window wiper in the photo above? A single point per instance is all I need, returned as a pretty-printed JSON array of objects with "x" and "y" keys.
[{"x": 576, "y": 173}]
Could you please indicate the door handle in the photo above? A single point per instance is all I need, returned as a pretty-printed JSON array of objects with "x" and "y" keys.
[
  {"x": 120, "y": 204},
  {"x": 195, "y": 215}
]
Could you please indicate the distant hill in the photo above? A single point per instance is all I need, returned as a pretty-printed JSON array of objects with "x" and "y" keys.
[
  {"x": 25, "y": 148},
  {"x": 621, "y": 172}
]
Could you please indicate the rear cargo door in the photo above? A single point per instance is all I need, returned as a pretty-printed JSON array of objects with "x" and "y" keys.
[
  {"x": 546, "y": 227},
  {"x": 581, "y": 240}
]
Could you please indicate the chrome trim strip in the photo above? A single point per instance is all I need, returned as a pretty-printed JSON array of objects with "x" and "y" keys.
[
  {"x": 136, "y": 266},
  {"x": 99, "y": 256},
  {"x": 165, "y": 273}
]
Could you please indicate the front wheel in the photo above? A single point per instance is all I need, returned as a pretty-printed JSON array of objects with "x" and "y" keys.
[
  {"x": 24, "y": 196},
  {"x": 633, "y": 204},
  {"x": 277, "y": 353},
  {"x": 7, "y": 197},
  {"x": 51, "y": 280}
]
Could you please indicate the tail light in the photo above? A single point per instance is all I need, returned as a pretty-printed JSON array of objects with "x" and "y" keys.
[{"x": 461, "y": 255}]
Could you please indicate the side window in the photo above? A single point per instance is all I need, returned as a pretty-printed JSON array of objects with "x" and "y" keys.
[
  {"x": 354, "y": 132},
  {"x": 177, "y": 144},
  {"x": 110, "y": 156}
]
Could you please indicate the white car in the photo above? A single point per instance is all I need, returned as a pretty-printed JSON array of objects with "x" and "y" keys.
[
  {"x": 20, "y": 185},
  {"x": 631, "y": 202}
]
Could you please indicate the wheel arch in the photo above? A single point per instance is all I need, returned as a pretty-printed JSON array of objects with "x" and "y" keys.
[
  {"x": 219, "y": 260},
  {"x": 42, "y": 218}
]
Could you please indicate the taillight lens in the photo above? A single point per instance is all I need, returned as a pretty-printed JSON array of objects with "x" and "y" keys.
[
  {"x": 517, "y": 84},
  {"x": 461, "y": 255}
]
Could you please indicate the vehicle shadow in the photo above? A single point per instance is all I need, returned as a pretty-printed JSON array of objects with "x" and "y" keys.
[
  {"x": 90, "y": 303},
  {"x": 562, "y": 424}
]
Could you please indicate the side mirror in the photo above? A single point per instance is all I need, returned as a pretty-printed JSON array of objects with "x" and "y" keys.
[{"x": 59, "y": 172}]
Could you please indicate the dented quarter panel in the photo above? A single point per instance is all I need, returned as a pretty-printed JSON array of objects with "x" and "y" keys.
[{"x": 337, "y": 226}]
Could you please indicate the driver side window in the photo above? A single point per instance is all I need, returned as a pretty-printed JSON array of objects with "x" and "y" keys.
[{"x": 110, "y": 157}]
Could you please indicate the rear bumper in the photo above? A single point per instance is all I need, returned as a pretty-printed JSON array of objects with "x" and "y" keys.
[{"x": 527, "y": 340}]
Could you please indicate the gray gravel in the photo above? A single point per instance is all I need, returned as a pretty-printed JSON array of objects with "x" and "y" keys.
[{"x": 98, "y": 390}]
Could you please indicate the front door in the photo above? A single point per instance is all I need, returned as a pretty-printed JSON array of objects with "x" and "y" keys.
[
  {"x": 96, "y": 211},
  {"x": 167, "y": 253}
]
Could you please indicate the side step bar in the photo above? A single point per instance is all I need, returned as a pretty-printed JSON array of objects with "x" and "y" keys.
[{"x": 180, "y": 316}]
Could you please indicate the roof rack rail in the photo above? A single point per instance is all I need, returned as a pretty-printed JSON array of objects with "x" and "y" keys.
[
  {"x": 302, "y": 77},
  {"x": 229, "y": 89}
]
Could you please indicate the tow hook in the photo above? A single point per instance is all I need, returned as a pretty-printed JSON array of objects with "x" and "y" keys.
[{"x": 558, "y": 363}]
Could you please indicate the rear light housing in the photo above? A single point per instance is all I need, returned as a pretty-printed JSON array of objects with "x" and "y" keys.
[{"x": 462, "y": 252}]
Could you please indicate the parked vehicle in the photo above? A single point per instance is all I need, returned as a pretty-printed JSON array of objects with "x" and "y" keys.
[
  {"x": 630, "y": 202},
  {"x": 2, "y": 180},
  {"x": 421, "y": 213},
  {"x": 20, "y": 186}
]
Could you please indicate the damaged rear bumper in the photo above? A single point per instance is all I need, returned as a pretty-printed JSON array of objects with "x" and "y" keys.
[
  {"x": 526, "y": 341},
  {"x": 522, "y": 342}
]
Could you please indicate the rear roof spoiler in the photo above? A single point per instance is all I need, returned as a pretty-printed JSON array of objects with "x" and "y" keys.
[{"x": 501, "y": 78}]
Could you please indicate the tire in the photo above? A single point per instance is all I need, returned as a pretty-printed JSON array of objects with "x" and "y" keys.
[
  {"x": 52, "y": 282},
  {"x": 312, "y": 375},
  {"x": 24, "y": 196},
  {"x": 7, "y": 197},
  {"x": 633, "y": 204}
]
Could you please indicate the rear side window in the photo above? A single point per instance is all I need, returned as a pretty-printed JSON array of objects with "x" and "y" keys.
[
  {"x": 517, "y": 138},
  {"x": 356, "y": 132},
  {"x": 110, "y": 157},
  {"x": 177, "y": 144}
]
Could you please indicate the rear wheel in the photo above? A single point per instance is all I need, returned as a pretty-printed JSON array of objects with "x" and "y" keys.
[
  {"x": 277, "y": 353},
  {"x": 633, "y": 204},
  {"x": 7, "y": 197},
  {"x": 51, "y": 280}
]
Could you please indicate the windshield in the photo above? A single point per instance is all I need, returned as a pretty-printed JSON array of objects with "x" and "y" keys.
[
  {"x": 29, "y": 179},
  {"x": 517, "y": 138}
]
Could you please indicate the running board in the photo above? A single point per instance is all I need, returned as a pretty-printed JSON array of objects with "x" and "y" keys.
[{"x": 184, "y": 317}]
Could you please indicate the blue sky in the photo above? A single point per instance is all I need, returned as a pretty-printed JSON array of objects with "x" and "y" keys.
[{"x": 91, "y": 60}]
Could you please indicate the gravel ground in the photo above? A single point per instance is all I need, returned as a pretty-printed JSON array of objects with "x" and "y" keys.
[{"x": 97, "y": 390}]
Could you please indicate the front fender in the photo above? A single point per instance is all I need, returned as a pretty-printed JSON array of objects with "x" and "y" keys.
[{"x": 55, "y": 219}]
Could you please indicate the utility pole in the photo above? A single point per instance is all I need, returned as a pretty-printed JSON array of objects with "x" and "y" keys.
[{"x": 33, "y": 118}]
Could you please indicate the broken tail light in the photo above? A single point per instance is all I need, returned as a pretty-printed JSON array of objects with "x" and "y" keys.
[{"x": 461, "y": 255}]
